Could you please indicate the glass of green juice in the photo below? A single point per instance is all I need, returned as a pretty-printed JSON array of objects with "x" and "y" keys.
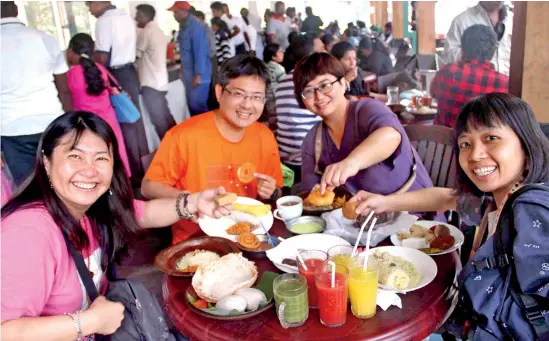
[{"x": 291, "y": 299}]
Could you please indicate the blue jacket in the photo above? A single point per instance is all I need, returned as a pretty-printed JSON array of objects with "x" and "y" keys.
[
  {"x": 194, "y": 49},
  {"x": 531, "y": 260}
]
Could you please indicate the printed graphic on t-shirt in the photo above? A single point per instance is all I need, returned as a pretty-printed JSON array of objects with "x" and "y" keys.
[{"x": 227, "y": 176}]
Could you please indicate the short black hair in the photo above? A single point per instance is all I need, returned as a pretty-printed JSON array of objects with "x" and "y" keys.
[
  {"x": 217, "y": 6},
  {"x": 339, "y": 49},
  {"x": 278, "y": 4},
  {"x": 200, "y": 14},
  {"x": 501, "y": 109},
  {"x": 8, "y": 9},
  {"x": 478, "y": 42},
  {"x": 327, "y": 39},
  {"x": 242, "y": 65},
  {"x": 309, "y": 10},
  {"x": 270, "y": 51},
  {"x": 147, "y": 10},
  {"x": 366, "y": 43}
]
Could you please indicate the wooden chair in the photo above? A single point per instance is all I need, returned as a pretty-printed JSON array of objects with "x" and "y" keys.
[{"x": 435, "y": 147}]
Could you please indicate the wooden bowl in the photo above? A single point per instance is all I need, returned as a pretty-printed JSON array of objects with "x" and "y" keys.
[{"x": 167, "y": 258}]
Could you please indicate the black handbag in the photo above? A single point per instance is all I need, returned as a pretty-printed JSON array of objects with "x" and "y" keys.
[{"x": 143, "y": 316}]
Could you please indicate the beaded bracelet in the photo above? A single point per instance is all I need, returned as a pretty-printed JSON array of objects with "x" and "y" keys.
[
  {"x": 76, "y": 319},
  {"x": 183, "y": 214}
]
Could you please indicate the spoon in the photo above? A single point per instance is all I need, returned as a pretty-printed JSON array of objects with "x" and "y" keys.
[{"x": 272, "y": 241}]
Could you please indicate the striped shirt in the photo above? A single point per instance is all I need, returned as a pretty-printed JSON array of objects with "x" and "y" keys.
[
  {"x": 292, "y": 122},
  {"x": 222, "y": 47}
]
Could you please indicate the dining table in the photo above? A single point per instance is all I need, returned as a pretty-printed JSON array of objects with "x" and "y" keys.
[{"x": 423, "y": 311}]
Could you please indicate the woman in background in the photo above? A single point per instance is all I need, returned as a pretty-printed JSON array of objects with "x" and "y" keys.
[
  {"x": 222, "y": 42},
  {"x": 89, "y": 87}
]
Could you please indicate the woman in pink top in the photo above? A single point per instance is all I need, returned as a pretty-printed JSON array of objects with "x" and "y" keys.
[
  {"x": 79, "y": 188},
  {"x": 89, "y": 84}
]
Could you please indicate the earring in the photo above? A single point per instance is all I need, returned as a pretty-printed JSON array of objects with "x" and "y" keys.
[
  {"x": 49, "y": 180},
  {"x": 110, "y": 191}
]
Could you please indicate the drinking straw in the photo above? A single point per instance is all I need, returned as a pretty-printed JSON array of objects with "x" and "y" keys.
[
  {"x": 360, "y": 233},
  {"x": 368, "y": 238},
  {"x": 333, "y": 273},
  {"x": 281, "y": 239},
  {"x": 302, "y": 261}
]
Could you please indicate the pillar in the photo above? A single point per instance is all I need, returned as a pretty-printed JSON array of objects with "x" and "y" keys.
[
  {"x": 384, "y": 13},
  {"x": 530, "y": 56},
  {"x": 426, "y": 27},
  {"x": 398, "y": 19}
]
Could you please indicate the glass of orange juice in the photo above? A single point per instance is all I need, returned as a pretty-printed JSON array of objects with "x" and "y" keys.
[
  {"x": 363, "y": 287},
  {"x": 340, "y": 254}
]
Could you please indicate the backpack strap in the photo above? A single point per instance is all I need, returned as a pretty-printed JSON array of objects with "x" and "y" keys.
[
  {"x": 83, "y": 270},
  {"x": 503, "y": 237}
]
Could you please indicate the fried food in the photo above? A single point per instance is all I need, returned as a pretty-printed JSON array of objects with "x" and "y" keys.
[
  {"x": 255, "y": 210},
  {"x": 239, "y": 228},
  {"x": 245, "y": 172},
  {"x": 317, "y": 199},
  {"x": 248, "y": 240},
  {"x": 349, "y": 210},
  {"x": 339, "y": 202},
  {"x": 225, "y": 199}
]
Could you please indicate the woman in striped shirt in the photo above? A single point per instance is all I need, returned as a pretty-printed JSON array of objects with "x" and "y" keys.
[{"x": 222, "y": 42}]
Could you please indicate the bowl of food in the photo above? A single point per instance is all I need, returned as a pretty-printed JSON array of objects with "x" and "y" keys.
[
  {"x": 306, "y": 225},
  {"x": 254, "y": 248},
  {"x": 182, "y": 259}
]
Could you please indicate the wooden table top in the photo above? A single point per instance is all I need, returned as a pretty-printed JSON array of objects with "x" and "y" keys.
[{"x": 423, "y": 312}]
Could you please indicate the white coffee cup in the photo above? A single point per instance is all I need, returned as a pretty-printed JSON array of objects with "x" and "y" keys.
[{"x": 289, "y": 207}]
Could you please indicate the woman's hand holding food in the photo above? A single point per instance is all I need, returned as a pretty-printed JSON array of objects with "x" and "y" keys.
[
  {"x": 103, "y": 317},
  {"x": 205, "y": 203},
  {"x": 337, "y": 174},
  {"x": 367, "y": 202}
]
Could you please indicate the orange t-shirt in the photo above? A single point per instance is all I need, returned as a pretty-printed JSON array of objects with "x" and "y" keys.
[{"x": 194, "y": 156}]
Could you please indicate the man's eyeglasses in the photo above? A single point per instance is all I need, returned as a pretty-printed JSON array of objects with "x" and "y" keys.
[
  {"x": 323, "y": 88},
  {"x": 240, "y": 96}
]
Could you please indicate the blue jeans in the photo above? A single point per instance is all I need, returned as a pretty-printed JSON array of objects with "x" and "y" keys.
[{"x": 197, "y": 98}]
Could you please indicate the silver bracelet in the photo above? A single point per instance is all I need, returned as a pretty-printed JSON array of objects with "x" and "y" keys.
[{"x": 76, "y": 319}]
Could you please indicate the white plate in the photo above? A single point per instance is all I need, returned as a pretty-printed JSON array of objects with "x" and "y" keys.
[
  {"x": 454, "y": 232},
  {"x": 217, "y": 227},
  {"x": 313, "y": 241},
  {"x": 424, "y": 264}
]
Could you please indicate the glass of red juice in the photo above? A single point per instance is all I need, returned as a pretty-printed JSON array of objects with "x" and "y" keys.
[
  {"x": 312, "y": 258},
  {"x": 332, "y": 293}
]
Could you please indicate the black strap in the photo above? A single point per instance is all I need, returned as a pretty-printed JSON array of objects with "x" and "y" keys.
[{"x": 83, "y": 270}]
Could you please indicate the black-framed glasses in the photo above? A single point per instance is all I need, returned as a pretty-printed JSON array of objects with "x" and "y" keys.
[
  {"x": 323, "y": 88},
  {"x": 240, "y": 96}
]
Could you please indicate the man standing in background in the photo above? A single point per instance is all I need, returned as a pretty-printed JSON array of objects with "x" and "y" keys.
[
  {"x": 195, "y": 58},
  {"x": 236, "y": 26},
  {"x": 312, "y": 23},
  {"x": 33, "y": 88},
  {"x": 115, "y": 47},
  {"x": 151, "y": 66},
  {"x": 201, "y": 17},
  {"x": 279, "y": 27}
]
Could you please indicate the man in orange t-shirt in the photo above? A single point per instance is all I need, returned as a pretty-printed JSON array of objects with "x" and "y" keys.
[{"x": 207, "y": 150}]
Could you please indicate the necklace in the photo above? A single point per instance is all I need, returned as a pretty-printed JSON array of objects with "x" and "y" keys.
[{"x": 481, "y": 230}]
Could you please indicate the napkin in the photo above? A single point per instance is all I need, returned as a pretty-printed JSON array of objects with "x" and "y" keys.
[
  {"x": 338, "y": 225},
  {"x": 385, "y": 299}
]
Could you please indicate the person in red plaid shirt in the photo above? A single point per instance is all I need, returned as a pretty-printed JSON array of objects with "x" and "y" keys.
[{"x": 455, "y": 84}]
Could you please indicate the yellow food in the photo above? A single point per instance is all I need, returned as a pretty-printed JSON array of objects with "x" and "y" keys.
[
  {"x": 191, "y": 260},
  {"x": 239, "y": 228},
  {"x": 317, "y": 199},
  {"x": 255, "y": 210},
  {"x": 339, "y": 202},
  {"x": 396, "y": 272},
  {"x": 225, "y": 199}
]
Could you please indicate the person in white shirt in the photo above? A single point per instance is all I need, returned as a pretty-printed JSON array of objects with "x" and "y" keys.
[
  {"x": 254, "y": 33},
  {"x": 279, "y": 27},
  {"x": 253, "y": 19},
  {"x": 492, "y": 14},
  {"x": 151, "y": 67},
  {"x": 33, "y": 89},
  {"x": 115, "y": 47},
  {"x": 239, "y": 36}
]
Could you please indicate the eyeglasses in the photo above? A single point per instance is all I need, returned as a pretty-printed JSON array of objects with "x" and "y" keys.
[
  {"x": 240, "y": 96},
  {"x": 323, "y": 88}
]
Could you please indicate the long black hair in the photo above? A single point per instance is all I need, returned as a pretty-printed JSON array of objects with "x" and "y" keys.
[
  {"x": 501, "y": 109},
  {"x": 83, "y": 45},
  {"x": 112, "y": 216},
  {"x": 224, "y": 30},
  {"x": 270, "y": 52}
]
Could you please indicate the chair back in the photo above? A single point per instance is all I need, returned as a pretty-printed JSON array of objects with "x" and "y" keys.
[{"x": 435, "y": 147}]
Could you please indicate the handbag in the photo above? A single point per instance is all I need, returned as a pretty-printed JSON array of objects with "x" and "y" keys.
[
  {"x": 143, "y": 316},
  {"x": 126, "y": 112}
]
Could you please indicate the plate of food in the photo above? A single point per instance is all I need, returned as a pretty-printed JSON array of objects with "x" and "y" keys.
[
  {"x": 222, "y": 289},
  {"x": 283, "y": 256},
  {"x": 403, "y": 269},
  {"x": 431, "y": 237},
  {"x": 183, "y": 259},
  {"x": 246, "y": 217},
  {"x": 315, "y": 203}
]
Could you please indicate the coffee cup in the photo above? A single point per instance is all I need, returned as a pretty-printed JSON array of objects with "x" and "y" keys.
[{"x": 289, "y": 207}]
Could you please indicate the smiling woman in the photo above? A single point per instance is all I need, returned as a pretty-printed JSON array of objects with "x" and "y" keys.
[{"x": 79, "y": 189}]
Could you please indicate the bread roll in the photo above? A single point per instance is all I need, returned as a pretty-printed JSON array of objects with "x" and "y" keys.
[
  {"x": 225, "y": 199},
  {"x": 349, "y": 210}
]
